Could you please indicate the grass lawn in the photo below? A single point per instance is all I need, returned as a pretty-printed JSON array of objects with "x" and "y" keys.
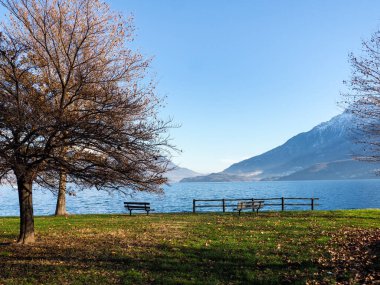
[{"x": 212, "y": 248}]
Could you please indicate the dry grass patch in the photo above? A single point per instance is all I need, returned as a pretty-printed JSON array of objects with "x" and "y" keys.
[{"x": 269, "y": 248}]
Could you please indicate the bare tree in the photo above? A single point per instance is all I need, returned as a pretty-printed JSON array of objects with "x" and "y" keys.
[
  {"x": 76, "y": 102},
  {"x": 363, "y": 99}
]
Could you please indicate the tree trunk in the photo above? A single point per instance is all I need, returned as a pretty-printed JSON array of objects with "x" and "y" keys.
[
  {"x": 26, "y": 210},
  {"x": 60, "y": 209}
]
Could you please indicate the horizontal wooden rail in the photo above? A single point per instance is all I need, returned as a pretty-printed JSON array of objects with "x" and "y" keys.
[
  {"x": 299, "y": 198},
  {"x": 222, "y": 203}
]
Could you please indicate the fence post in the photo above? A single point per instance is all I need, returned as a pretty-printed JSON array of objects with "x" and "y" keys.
[
  {"x": 193, "y": 205},
  {"x": 312, "y": 204},
  {"x": 282, "y": 204},
  {"x": 224, "y": 205}
]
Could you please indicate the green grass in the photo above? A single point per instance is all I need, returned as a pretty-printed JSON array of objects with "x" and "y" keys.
[{"x": 269, "y": 248}]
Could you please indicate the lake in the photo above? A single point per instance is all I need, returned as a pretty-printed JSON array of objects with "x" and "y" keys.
[{"x": 348, "y": 194}]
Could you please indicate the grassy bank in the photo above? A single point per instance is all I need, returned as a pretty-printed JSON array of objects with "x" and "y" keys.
[{"x": 267, "y": 248}]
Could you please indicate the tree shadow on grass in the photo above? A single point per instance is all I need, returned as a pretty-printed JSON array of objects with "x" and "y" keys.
[
  {"x": 146, "y": 264},
  {"x": 375, "y": 249}
]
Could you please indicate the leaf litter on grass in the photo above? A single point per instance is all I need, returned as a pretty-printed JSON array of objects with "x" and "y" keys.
[{"x": 352, "y": 257}]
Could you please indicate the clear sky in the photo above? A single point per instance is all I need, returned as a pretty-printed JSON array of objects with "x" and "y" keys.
[{"x": 242, "y": 77}]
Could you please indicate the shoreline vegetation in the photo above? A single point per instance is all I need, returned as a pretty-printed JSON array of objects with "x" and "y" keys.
[{"x": 295, "y": 247}]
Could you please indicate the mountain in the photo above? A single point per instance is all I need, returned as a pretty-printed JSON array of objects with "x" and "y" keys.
[
  {"x": 177, "y": 173},
  {"x": 324, "y": 152},
  {"x": 215, "y": 177},
  {"x": 343, "y": 170},
  {"x": 327, "y": 142}
]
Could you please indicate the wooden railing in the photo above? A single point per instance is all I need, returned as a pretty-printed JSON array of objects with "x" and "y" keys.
[{"x": 226, "y": 203}]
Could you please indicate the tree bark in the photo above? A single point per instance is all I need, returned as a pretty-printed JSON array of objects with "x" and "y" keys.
[
  {"x": 60, "y": 209},
  {"x": 26, "y": 210}
]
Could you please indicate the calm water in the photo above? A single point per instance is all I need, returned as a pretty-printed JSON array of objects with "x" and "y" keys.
[{"x": 178, "y": 197}]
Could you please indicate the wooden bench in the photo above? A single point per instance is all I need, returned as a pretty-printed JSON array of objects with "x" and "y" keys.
[
  {"x": 254, "y": 205},
  {"x": 142, "y": 206}
]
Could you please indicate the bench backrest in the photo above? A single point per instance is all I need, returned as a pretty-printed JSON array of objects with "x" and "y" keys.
[
  {"x": 137, "y": 205},
  {"x": 250, "y": 205}
]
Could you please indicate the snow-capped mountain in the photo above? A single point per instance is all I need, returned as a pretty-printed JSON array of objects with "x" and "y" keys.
[{"x": 324, "y": 152}]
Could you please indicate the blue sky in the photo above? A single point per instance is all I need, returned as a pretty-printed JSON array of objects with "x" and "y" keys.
[{"x": 242, "y": 77}]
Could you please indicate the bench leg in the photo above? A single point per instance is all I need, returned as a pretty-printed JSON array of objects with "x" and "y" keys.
[
  {"x": 147, "y": 213},
  {"x": 130, "y": 212},
  {"x": 239, "y": 212}
]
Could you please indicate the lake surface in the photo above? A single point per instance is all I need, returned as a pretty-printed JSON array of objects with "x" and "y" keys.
[{"x": 349, "y": 194}]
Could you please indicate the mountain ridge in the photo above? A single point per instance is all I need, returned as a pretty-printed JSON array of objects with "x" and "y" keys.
[
  {"x": 328, "y": 142},
  {"x": 177, "y": 173}
]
